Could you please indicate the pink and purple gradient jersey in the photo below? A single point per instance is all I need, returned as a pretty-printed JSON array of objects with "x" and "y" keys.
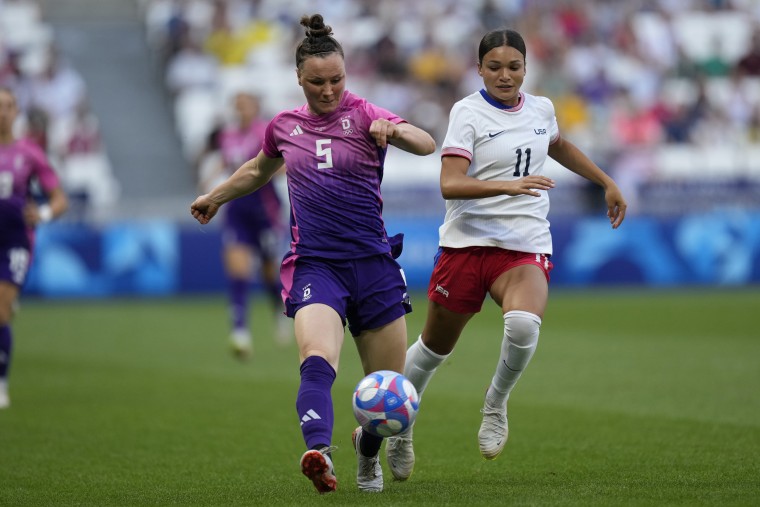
[
  {"x": 260, "y": 209},
  {"x": 334, "y": 171},
  {"x": 21, "y": 162}
]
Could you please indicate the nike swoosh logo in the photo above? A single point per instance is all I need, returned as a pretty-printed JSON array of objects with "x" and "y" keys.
[
  {"x": 496, "y": 134},
  {"x": 507, "y": 366}
]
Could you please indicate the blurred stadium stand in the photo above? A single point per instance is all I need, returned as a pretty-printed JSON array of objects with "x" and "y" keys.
[
  {"x": 663, "y": 94},
  {"x": 133, "y": 165}
]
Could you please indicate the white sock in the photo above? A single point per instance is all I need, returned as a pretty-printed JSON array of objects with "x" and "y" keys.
[
  {"x": 517, "y": 348},
  {"x": 421, "y": 363}
]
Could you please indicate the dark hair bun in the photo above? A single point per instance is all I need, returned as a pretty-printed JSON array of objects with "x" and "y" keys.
[
  {"x": 318, "y": 41},
  {"x": 315, "y": 26}
]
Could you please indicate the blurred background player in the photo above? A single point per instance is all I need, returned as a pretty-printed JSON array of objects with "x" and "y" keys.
[
  {"x": 341, "y": 267},
  {"x": 22, "y": 164},
  {"x": 495, "y": 237},
  {"x": 252, "y": 229}
]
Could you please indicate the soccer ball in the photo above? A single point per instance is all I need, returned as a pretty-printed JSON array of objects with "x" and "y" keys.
[{"x": 385, "y": 403}]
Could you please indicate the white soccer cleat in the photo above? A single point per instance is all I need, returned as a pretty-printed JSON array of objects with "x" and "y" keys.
[
  {"x": 369, "y": 473},
  {"x": 318, "y": 467},
  {"x": 5, "y": 400},
  {"x": 241, "y": 343},
  {"x": 399, "y": 451},
  {"x": 494, "y": 431}
]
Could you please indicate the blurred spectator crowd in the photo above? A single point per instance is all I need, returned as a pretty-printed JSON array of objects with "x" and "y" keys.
[
  {"x": 654, "y": 90},
  {"x": 54, "y": 107},
  {"x": 663, "y": 94}
]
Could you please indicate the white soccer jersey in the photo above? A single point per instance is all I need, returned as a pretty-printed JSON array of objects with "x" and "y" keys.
[{"x": 501, "y": 144}]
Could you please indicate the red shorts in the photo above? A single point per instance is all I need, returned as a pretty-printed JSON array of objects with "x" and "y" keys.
[{"x": 462, "y": 276}]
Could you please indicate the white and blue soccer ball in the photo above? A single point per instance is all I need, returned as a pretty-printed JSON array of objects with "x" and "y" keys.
[{"x": 385, "y": 403}]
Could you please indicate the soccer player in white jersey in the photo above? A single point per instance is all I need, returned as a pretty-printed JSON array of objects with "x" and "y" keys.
[
  {"x": 341, "y": 266},
  {"x": 495, "y": 237}
]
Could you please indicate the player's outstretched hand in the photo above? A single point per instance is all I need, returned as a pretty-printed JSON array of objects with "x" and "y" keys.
[
  {"x": 616, "y": 206},
  {"x": 528, "y": 185},
  {"x": 203, "y": 209}
]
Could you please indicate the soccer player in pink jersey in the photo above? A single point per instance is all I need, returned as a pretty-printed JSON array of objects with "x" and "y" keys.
[
  {"x": 251, "y": 227},
  {"x": 495, "y": 237},
  {"x": 21, "y": 163},
  {"x": 341, "y": 266}
]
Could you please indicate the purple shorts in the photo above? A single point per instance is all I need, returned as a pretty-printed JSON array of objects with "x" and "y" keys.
[
  {"x": 14, "y": 264},
  {"x": 243, "y": 225},
  {"x": 368, "y": 293},
  {"x": 264, "y": 240}
]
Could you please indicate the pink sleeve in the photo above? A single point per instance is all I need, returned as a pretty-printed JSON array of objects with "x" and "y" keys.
[
  {"x": 43, "y": 170},
  {"x": 269, "y": 147}
]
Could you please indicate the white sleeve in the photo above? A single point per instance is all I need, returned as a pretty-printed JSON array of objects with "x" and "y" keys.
[
  {"x": 460, "y": 138},
  {"x": 553, "y": 126}
]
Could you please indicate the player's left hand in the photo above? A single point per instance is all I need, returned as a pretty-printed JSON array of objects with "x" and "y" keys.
[
  {"x": 383, "y": 131},
  {"x": 616, "y": 206}
]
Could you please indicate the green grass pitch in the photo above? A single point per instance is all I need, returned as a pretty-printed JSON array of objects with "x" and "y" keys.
[{"x": 633, "y": 398}]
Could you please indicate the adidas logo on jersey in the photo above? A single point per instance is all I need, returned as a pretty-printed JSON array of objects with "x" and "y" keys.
[{"x": 296, "y": 131}]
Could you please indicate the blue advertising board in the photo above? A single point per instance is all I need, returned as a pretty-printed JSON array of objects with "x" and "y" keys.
[{"x": 157, "y": 258}]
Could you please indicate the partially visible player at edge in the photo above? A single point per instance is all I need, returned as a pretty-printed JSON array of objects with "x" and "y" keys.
[
  {"x": 495, "y": 237},
  {"x": 21, "y": 163},
  {"x": 341, "y": 265},
  {"x": 251, "y": 227}
]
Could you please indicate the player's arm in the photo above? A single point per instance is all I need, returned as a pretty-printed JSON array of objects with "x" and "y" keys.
[
  {"x": 567, "y": 154},
  {"x": 249, "y": 177},
  {"x": 57, "y": 203},
  {"x": 456, "y": 184},
  {"x": 404, "y": 136}
]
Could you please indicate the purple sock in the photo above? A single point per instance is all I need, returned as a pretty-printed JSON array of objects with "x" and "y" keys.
[
  {"x": 6, "y": 344},
  {"x": 314, "y": 402},
  {"x": 238, "y": 296}
]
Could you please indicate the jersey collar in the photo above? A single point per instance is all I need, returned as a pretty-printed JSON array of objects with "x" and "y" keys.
[{"x": 497, "y": 104}]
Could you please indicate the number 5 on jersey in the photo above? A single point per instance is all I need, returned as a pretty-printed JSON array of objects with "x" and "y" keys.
[{"x": 324, "y": 150}]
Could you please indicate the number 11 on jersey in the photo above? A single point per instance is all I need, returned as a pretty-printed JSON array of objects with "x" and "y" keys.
[{"x": 519, "y": 159}]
